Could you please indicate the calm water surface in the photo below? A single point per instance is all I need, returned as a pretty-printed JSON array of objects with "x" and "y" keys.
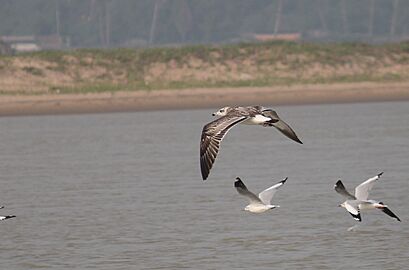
[{"x": 123, "y": 191}]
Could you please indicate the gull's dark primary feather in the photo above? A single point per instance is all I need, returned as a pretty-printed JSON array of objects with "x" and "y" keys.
[
  {"x": 242, "y": 189},
  {"x": 340, "y": 188},
  {"x": 387, "y": 211},
  {"x": 282, "y": 126}
]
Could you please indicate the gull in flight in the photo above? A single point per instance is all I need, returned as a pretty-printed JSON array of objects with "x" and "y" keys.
[
  {"x": 214, "y": 132},
  {"x": 5, "y": 217},
  {"x": 354, "y": 204},
  {"x": 261, "y": 203}
]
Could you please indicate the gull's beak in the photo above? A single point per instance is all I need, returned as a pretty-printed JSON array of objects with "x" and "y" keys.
[{"x": 339, "y": 205}]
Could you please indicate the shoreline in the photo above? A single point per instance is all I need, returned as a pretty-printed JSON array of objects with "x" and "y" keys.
[{"x": 15, "y": 105}]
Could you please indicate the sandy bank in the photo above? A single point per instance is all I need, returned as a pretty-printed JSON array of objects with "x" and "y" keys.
[{"x": 201, "y": 98}]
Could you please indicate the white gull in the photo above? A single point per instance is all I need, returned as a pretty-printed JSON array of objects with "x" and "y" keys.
[
  {"x": 354, "y": 204},
  {"x": 262, "y": 202}
]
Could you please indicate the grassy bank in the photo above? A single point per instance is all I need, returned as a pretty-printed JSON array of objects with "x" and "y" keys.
[{"x": 262, "y": 64}]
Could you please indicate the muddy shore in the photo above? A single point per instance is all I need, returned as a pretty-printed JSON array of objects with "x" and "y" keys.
[{"x": 14, "y": 105}]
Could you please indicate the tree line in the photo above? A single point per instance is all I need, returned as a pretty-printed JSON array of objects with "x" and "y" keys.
[{"x": 130, "y": 23}]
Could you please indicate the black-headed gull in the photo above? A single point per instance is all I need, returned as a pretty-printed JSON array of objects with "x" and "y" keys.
[
  {"x": 262, "y": 202},
  {"x": 354, "y": 204},
  {"x": 214, "y": 132}
]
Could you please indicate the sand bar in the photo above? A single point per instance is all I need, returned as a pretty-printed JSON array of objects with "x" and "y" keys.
[{"x": 200, "y": 98}]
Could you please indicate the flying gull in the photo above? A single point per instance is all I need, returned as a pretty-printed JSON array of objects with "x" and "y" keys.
[
  {"x": 5, "y": 217},
  {"x": 261, "y": 203},
  {"x": 354, "y": 204},
  {"x": 214, "y": 132}
]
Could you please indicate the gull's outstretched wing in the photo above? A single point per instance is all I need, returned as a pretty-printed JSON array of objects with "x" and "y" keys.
[
  {"x": 340, "y": 188},
  {"x": 282, "y": 126},
  {"x": 362, "y": 191},
  {"x": 352, "y": 208},
  {"x": 242, "y": 189},
  {"x": 212, "y": 135},
  {"x": 387, "y": 211},
  {"x": 267, "y": 194}
]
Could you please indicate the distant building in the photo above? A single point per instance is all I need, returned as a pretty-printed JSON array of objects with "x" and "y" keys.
[
  {"x": 20, "y": 44},
  {"x": 270, "y": 37},
  {"x": 248, "y": 37}
]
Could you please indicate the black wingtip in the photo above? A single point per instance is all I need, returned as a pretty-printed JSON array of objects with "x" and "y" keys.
[
  {"x": 204, "y": 171},
  {"x": 387, "y": 211},
  {"x": 357, "y": 217},
  {"x": 338, "y": 183},
  {"x": 239, "y": 183},
  {"x": 295, "y": 138},
  {"x": 284, "y": 180},
  {"x": 379, "y": 174}
]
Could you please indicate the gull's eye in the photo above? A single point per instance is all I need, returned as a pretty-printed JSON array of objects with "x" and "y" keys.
[{"x": 221, "y": 110}]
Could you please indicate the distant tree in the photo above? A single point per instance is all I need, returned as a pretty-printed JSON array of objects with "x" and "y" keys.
[
  {"x": 182, "y": 18},
  {"x": 371, "y": 6},
  {"x": 394, "y": 17},
  {"x": 344, "y": 15},
  {"x": 277, "y": 16}
]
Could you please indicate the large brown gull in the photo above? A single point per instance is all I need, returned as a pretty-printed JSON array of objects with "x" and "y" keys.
[{"x": 214, "y": 132}]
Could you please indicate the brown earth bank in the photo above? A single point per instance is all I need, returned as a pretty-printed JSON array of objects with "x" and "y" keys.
[
  {"x": 271, "y": 64},
  {"x": 12, "y": 105}
]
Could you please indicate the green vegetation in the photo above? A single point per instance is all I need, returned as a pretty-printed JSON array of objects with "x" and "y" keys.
[{"x": 257, "y": 64}]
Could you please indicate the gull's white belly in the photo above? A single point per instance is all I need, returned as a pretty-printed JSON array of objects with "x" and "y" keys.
[
  {"x": 259, "y": 208},
  {"x": 256, "y": 120},
  {"x": 366, "y": 206}
]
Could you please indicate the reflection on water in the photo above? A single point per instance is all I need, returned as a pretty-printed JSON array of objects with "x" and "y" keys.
[{"x": 123, "y": 191}]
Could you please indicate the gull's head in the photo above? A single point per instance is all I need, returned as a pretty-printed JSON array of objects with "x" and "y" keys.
[
  {"x": 342, "y": 205},
  {"x": 247, "y": 208},
  {"x": 222, "y": 112}
]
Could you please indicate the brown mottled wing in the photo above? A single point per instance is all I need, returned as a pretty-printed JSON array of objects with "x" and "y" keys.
[
  {"x": 340, "y": 188},
  {"x": 282, "y": 126},
  {"x": 212, "y": 135}
]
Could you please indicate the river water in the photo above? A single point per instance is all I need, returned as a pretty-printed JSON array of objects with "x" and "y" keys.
[{"x": 124, "y": 191}]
